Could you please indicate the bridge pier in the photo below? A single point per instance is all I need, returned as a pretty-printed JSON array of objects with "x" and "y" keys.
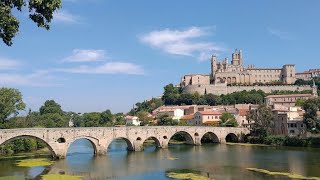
[{"x": 197, "y": 140}]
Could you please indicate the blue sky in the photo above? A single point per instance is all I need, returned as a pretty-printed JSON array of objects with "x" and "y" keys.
[{"x": 103, "y": 54}]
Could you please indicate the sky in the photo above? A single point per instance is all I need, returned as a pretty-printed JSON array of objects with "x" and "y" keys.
[{"x": 110, "y": 54}]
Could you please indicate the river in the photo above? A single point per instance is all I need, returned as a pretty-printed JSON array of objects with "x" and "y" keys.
[{"x": 216, "y": 161}]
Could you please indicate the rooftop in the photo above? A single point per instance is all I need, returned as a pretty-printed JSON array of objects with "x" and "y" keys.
[{"x": 210, "y": 112}]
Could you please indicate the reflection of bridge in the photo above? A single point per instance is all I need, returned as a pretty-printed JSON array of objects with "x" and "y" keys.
[{"x": 59, "y": 139}]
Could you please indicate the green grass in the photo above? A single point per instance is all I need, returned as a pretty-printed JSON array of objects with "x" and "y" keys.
[
  {"x": 39, "y": 153},
  {"x": 34, "y": 162},
  {"x": 290, "y": 175}
]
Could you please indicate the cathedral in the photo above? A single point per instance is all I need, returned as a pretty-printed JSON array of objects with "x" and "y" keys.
[{"x": 234, "y": 73}]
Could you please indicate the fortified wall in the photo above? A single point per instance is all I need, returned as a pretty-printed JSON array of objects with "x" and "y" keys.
[{"x": 219, "y": 89}]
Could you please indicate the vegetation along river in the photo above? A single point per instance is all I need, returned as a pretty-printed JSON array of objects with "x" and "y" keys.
[{"x": 210, "y": 161}]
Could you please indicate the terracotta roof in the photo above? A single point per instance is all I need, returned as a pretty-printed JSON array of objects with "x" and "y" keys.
[
  {"x": 131, "y": 117},
  {"x": 243, "y": 112},
  {"x": 289, "y": 95},
  {"x": 210, "y": 112},
  {"x": 187, "y": 117}
]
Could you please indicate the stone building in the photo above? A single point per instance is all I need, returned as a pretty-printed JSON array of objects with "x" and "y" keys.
[
  {"x": 235, "y": 73},
  {"x": 309, "y": 74},
  {"x": 288, "y": 100},
  {"x": 224, "y": 76},
  {"x": 206, "y": 118}
]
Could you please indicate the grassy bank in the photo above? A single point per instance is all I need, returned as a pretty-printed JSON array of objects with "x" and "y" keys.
[
  {"x": 44, "y": 152},
  {"x": 278, "y": 140}
]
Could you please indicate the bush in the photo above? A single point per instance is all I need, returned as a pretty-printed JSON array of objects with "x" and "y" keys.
[
  {"x": 254, "y": 140},
  {"x": 294, "y": 141},
  {"x": 274, "y": 140},
  {"x": 313, "y": 142}
]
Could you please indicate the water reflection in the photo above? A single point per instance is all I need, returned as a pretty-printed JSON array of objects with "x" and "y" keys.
[{"x": 216, "y": 161}]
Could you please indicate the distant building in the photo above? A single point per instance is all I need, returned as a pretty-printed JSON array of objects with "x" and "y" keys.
[
  {"x": 132, "y": 121},
  {"x": 241, "y": 118},
  {"x": 227, "y": 77},
  {"x": 206, "y": 118},
  {"x": 289, "y": 121},
  {"x": 309, "y": 74},
  {"x": 288, "y": 100},
  {"x": 176, "y": 112}
]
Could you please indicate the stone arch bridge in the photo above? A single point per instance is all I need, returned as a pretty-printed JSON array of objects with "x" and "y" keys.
[{"x": 58, "y": 140}]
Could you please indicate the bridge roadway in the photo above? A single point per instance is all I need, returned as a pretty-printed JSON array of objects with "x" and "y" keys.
[{"x": 59, "y": 139}]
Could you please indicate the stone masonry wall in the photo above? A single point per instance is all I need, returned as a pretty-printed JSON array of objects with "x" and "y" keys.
[{"x": 219, "y": 89}]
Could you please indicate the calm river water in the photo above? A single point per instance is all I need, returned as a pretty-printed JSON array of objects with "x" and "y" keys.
[{"x": 217, "y": 161}]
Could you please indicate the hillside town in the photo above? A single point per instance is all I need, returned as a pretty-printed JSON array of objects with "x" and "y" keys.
[{"x": 225, "y": 78}]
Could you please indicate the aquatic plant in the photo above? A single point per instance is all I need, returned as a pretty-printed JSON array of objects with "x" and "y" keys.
[
  {"x": 186, "y": 174},
  {"x": 60, "y": 177},
  {"x": 290, "y": 175},
  {"x": 34, "y": 162},
  {"x": 172, "y": 158}
]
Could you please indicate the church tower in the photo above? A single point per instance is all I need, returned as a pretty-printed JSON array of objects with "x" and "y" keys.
[
  {"x": 237, "y": 58},
  {"x": 213, "y": 65}
]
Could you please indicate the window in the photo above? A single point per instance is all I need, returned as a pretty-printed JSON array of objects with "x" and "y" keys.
[{"x": 291, "y": 131}]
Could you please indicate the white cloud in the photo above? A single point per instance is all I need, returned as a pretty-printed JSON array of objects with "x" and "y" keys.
[
  {"x": 86, "y": 55},
  {"x": 65, "y": 17},
  {"x": 106, "y": 68},
  {"x": 182, "y": 42},
  {"x": 7, "y": 64},
  {"x": 37, "y": 79},
  {"x": 280, "y": 34}
]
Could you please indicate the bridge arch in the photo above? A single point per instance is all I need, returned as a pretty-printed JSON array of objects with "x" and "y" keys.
[
  {"x": 130, "y": 146},
  {"x": 231, "y": 137},
  {"x": 187, "y": 136},
  {"x": 53, "y": 153},
  {"x": 94, "y": 142},
  {"x": 156, "y": 140},
  {"x": 209, "y": 137}
]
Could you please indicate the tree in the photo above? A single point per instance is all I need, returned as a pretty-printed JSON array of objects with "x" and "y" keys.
[
  {"x": 144, "y": 117},
  {"x": 50, "y": 106},
  {"x": 310, "y": 118},
  {"x": 166, "y": 120},
  {"x": 91, "y": 119},
  {"x": 262, "y": 121},
  {"x": 40, "y": 12},
  {"x": 10, "y": 103},
  {"x": 228, "y": 120}
]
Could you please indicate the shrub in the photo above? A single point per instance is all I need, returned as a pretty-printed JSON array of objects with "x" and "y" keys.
[
  {"x": 254, "y": 140},
  {"x": 275, "y": 140}
]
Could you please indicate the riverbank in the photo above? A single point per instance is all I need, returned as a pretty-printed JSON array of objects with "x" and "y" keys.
[
  {"x": 44, "y": 152},
  {"x": 278, "y": 140}
]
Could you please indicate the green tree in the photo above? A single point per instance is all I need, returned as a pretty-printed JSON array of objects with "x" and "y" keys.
[
  {"x": 262, "y": 121},
  {"x": 144, "y": 117},
  {"x": 228, "y": 120},
  {"x": 10, "y": 103},
  {"x": 311, "y": 106},
  {"x": 40, "y": 12},
  {"x": 106, "y": 117},
  {"x": 166, "y": 120},
  {"x": 92, "y": 119},
  {"x": 50, "y": 106}
]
